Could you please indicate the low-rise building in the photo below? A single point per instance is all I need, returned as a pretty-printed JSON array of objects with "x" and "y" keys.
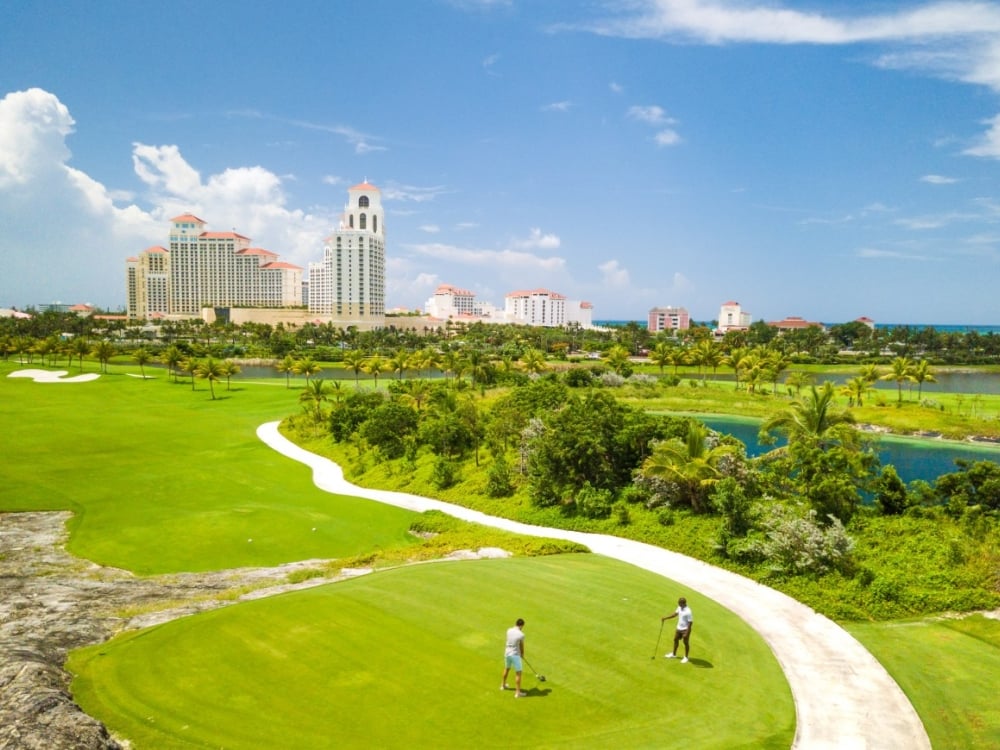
[
  {"x": 732, "y": 317},
  {"x": 668, "y": 319}
]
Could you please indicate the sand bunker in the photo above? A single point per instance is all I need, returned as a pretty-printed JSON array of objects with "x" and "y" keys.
[{"x": 54, "y": 376}]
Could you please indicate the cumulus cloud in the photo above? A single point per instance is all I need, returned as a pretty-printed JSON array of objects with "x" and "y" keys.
[
  {"x": 613, "y": 275},
  {"x": 538, "y": 239},
  {"x": 71, "y": 234}
]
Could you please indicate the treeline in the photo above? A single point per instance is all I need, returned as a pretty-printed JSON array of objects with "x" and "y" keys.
[{"x": 847, "y": 342}]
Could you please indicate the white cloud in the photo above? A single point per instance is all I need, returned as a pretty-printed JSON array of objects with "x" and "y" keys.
[
  {"x": 330, "y": 179},
  {"x": 537, "y": 239},
  {"x": 874, "y": 253},
  {"x": 613, "y": 275},
  {"x": 667, "y": 137},
  {"x": 430, "y": 228},
  {"x": 936, "y": 179},
  {"x": 616, "y": 88},
  {"x": 412, "y": 193},
  {"x": 72, "y": 234},
  {"x": 652, "y": 115},
  {"x": 721, "y": 21},
  {"x": 490, "y": 62},
  {"x": 989, "y": 144},
  {"x": 493, "y": 259},
  {"x": 564, "y": 106}
]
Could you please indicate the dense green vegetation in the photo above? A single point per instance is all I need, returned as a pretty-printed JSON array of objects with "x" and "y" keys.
[{"x": 411, "y": 658}]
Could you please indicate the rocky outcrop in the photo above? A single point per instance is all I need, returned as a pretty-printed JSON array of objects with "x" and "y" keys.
[{"x": 52, "y": 603}]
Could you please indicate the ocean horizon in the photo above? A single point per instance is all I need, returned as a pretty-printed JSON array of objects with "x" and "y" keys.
[{"x": 939, "y": 327}]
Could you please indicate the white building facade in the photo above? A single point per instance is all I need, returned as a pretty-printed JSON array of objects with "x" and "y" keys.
[
  {"x": 537, "y": 307},
  {"x": 732, "y": 317},
  {"x": 207, "y": 269},
  {"x": 450, "y": 302},
  {"x": 348, "y": 285}
]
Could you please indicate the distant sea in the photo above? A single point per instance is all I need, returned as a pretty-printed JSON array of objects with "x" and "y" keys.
[{"x": 940, "y": 328}]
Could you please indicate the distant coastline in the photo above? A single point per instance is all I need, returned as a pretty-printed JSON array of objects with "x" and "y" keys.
[{"x": 940, "y": 328}]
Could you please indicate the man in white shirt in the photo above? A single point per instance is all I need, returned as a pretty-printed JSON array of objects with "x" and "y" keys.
[
  {"x": 512, "y": 655},
  {"x": 683, "y": 633}
]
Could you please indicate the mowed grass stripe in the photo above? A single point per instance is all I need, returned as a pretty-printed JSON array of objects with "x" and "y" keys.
[
  {"x": 948, "y": 669},
  {"x": 412, "y": 658},
  {"x": 162, "y": 479}
]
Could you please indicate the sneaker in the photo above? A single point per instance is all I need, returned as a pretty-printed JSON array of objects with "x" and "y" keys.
[
  {"x": 670, "y": 656},
  {"x": 503, "y": 687},
  {"x": 520, "y": 694},
  {"x": 684, "y": 660}
]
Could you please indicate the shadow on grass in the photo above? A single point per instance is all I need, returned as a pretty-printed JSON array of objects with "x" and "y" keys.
[{"x": 536, "y": 692}]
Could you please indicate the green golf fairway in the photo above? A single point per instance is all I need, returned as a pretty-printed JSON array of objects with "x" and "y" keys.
[
  {"x": 945, "y": 669},
  {"x": 412, "y": 658},
  {"x": 162, "y": 479}
]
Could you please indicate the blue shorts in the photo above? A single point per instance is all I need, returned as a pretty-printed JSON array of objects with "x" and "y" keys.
[{"x": 512, "y": 662}]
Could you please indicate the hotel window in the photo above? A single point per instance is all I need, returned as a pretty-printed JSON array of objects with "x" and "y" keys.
[
  {"x": 363, "y": 201},
  {"x": 363, "y": 222}
]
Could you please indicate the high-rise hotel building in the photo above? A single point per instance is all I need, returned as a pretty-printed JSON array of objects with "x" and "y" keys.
[
  {"x": 207, "y": 269},
  {"x": 348, "y": 285}
]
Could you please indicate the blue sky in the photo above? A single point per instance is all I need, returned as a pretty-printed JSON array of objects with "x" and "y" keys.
[{"x": 824, "y": 159}]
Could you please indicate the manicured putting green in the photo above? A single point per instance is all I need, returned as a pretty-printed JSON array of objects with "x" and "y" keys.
[
  {"x": 162, "y": 479},
  {"x": 948, "y": 669},
  {"x": 411, "y": 658}
]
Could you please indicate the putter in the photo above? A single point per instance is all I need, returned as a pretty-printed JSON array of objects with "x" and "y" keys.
[
  {"x": 539, "y": 677},
  {"x": 657, "y": 649}
]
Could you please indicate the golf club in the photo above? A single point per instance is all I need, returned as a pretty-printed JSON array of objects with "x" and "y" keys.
[
  {"x": 657, "y": 649},
  {"x": 539, "y": 677}
]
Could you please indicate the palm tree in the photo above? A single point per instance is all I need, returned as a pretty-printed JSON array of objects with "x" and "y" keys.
[
  {"x": 399, "y": 362},
  {"x": 922, "y": 374},
  {"x": 80, "y": 347},
  {"x": 533, "y": 361},
  {"x": 870, "y": 372},
  {"x": 777, "y": 363},
  {"x": 229, "y": 368},
  {"x": 374, "y": 366},
  {"x": 417, "y": 391},
  {"x": 287, "y": 366},
  {"x": 354, "y": 359},
  {"x": 735, "y": 360},
  {"x": 798, "y": 380},
  {"x": 856, "y": 389},
  {"x": 210, "y": 370},
  {"x": 660, "y": 355},
  {"x": 172, "y": 356},
  {"x": 707, "y": 354},
  {"x": 814, "y": 417},
  {"x": 313, "y": 397},
  {"x": 691, "y": 463},
  {"x": 104, "y": 351},
  {"x": 142, "y": 357},
  {"x": 617, "y": 358},
  {"x": 308, "y": 367},
  {"x": 900, "y": 370},
  {"x": 190, "y": 366},
  {"x": 678, "y": 357}
]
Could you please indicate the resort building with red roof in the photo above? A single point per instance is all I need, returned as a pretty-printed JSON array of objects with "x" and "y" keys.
[{"x": 201, "y": 269}]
